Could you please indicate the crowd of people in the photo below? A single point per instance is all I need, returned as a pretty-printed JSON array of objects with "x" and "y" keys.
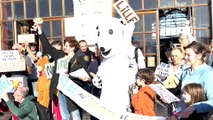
[{"x": 191, "y": 64}]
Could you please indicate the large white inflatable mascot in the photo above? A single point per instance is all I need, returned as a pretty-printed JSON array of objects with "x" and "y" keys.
[{"x": 112, "y": 75}]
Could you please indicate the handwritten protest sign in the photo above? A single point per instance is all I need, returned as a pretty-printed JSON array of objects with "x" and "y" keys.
[
  {"x": 93, "y": 105},
  {"x": 9, "y": 56},
  {"x": 49, "y": 69},
  {"x": 92, "y": 8},
  {"x": 125, "y": 11},
  {"x": 5, "y": 84},
  {"x": 13, "y": 66},
  {"x": 62, "y": 65},
  {"x": 88, "y": 12},
  {"x": 30, "y": 38},
  {"x": 162, "y": 72}
]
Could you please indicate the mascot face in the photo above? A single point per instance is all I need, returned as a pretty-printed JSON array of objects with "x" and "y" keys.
[
  {"x": 109, "y": 33},
  {"x": 41, "y": 63}
]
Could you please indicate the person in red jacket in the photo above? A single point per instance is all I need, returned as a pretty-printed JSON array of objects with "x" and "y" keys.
[{"x": 143, "y": 95}]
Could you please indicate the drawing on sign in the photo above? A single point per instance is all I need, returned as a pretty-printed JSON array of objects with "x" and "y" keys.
[
  {"x": 5, "y": 84},
  {"x": 49, "y": 69}
]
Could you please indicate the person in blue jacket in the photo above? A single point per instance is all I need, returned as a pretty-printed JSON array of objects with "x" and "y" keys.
[{"x": 198, "y": 72}]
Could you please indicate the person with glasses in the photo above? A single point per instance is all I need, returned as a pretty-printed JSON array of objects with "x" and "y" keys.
[{"x": 185, "y": 37}]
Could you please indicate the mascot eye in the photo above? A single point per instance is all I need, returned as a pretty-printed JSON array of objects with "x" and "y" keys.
[
  {"x": 110, "y": 31},
  {"x": 97, "y": 27}
]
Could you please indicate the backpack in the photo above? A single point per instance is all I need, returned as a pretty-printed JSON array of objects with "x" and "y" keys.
[{"x": 43, "y": 112}]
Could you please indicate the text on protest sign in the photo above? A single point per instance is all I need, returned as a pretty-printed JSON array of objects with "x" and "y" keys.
[
  {"x": 9, "y": 56},
  {"x": 5, "y": 84},
  {"x": 13, "y": 66},
  {"x": 93, "y": 105},
  {"x": 125, "y": 11},
  {"x": 162, "y": 72},
  {"x": 62, "y": 65}
]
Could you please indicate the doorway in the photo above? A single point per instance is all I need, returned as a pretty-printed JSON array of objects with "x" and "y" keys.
[{"x": 171, "y": 22}]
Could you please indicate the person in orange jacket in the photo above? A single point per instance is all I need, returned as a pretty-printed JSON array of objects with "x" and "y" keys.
[{"x": 143, "y": 97}]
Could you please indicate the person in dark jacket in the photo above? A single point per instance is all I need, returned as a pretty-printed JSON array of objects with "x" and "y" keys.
[
  {"x": 70, "y": 47},
  {"x": 27, "y": 109}
]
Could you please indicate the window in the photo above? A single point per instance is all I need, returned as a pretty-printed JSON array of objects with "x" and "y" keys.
[
  {"x": 43, "y": 8},
  {"x": 31, "y": 8},
  {"x": 56, "y": 7},
  {"x": 19, "y": 10}
]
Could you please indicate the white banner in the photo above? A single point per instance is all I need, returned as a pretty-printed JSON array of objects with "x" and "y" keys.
[{"x": 93, "y": 105}]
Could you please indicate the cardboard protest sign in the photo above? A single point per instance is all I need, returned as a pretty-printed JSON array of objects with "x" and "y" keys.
[
  {"x": 93, "y": 105},
  {"x": 13, "y": 66},
  {"x": 26, "y": 37},
  {"x": 125, "y": 11},
  {"x": 9, "y": 56},
  {"x": 49, "y": 69},
  {"x": 5, "y": 84},
  {"x": 62, "y": 66}
]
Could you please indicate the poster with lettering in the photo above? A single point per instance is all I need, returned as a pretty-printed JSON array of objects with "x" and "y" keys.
[
  {"x": 93, "y": 105},
  {"x": 9, "y": 56},
  {"x": 88, "y": 12},
  {"x": 13, "y": 66},
  {"x": 162, "y": 71},
  {"x": 5, "y": 84},
  {"x": 125, "y": 11}
]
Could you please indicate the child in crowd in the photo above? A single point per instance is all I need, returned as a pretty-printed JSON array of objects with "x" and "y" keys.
[
  {"x": 192, "y": 93},
  {"x": 143, "y": 96}
]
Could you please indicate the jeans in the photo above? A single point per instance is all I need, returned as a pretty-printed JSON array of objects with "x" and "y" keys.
[{"x": 65, "y": 114}]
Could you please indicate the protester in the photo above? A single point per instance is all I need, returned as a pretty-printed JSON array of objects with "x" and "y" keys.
[
  {"x": 209, "y": 58},
  {"x": 27, "y": 109},
  {"x": 200, "y": 73},
  {"x": 57, "y": 44},
  {"x": 32, "y": 52},
  {"x": 175, "y": 69},
  {"x": 144, "y": 96},
  {"x": 192, "y": 93},
  {"x": 92, "y": 69},
  {"x": 67, "y": 106},
  {"x": 185, "y": 37}
]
